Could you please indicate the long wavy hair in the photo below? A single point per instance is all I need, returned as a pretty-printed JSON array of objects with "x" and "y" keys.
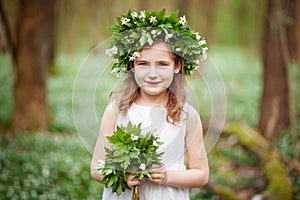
[{"x": 130, "y": 92}]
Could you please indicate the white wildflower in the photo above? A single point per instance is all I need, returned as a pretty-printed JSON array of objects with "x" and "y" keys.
[
  {"x": 134, "y": 14},
  {"x": 202, "y": 42},
  {"x": 177, "y": 49},
  {"x": 198, "y": 37},
  {"x": 168, "y": 36},
  {"x": 182, "y": 20},
  {"x": 134, "y": 137},
  {"x": 113, "y": 50},
  {"x": 100, "y": 164},
  {"x": 153, "y": 32},
  {"x": 197, "y": 62},
  {"x": 124, "y": 20},
  {"x": 134, "y": 55},
  {"x": 155, "y": 143},
  {"x": 142, "y": 166},
  {"x": 153, "y": 19},
  {"x": 127, "y": 39},
  {"x": 204, "y": 56},
  {"x": 142, "y": 14}
]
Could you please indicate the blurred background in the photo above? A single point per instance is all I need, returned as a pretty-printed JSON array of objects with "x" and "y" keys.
[{"x": 254, "y": 44}]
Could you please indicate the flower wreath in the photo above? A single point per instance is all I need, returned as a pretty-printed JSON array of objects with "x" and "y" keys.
[{"x": 136, "y": 30}]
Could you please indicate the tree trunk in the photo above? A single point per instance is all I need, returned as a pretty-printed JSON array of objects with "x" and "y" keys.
[
  {"x": 34, "y": 36},
  {"x": 275, "y": 105},
  {"x": 296, "y": 37}
]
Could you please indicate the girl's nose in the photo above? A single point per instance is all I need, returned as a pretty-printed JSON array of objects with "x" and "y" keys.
[{"x": 152, "y": 72}]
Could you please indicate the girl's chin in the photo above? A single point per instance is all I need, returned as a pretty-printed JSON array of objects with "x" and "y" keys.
[{"x": 153, "y": 91}]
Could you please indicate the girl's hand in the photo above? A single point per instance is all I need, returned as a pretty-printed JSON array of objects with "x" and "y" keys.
[
  {"x": 132, "y": 181},
  {"x": 158, "y": 175}
]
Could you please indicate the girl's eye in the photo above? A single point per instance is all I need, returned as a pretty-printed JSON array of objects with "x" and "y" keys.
[
  {"x": 163, "y": 64},
  {"x": 142, "y": 64}
]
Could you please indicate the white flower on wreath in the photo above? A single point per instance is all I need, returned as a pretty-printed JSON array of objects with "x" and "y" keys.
[
  {"x": 113, "y": 50},
  {"x": 142, "y": 15},
  {"x": 142, "y": 166},
  {"x": 134, "y": 55},
  {"x": 198, "y": 37},
  {"x": 202, "y": 42},
  {"x": 177, "y": 49},
  {"x": 168, "y": 36},
  {"x": 124, "y": 20},
  {"x": 153, "y": 19},
  {"x": 182, "y": 20},
  {"x": 153, "y": 32},
  {"x": 204, "y": 56},
  {"x": 134, "y": 14}
]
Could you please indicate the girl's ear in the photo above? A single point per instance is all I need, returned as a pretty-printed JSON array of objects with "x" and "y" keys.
[{"x": 178, "y": 67}]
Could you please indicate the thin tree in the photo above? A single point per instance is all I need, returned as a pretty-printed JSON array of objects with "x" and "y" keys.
[
  {"x": 35, "y": 31},
  {"x": 277, "y": 93}
]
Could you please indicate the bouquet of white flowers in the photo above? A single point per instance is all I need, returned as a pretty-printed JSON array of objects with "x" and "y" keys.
[{"x": 131, "y": 152}]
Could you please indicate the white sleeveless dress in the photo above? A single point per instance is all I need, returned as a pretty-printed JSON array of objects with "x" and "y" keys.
[{"x": 173, "y": 138}]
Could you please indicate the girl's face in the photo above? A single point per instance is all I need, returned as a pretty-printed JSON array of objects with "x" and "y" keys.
[{"x": 154, "y": 69}]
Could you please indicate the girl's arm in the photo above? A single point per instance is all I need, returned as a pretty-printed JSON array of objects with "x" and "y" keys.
[
  {"x": 107, "y": 128},
  {"x": 198, "y": 172}
]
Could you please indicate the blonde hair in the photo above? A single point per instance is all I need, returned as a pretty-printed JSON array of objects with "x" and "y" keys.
[{"x": 130, "y": 92}]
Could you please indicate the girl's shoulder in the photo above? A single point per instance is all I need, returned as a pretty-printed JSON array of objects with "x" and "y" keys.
[
  {"x": 192, "y": 115},
  {"x": 111, "y": 110}
]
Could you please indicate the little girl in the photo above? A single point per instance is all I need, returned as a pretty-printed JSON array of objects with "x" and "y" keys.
[{"x": 153, "y": 94}]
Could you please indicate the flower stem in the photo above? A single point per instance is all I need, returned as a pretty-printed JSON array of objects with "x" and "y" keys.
[{"x": 135, "y": 194}]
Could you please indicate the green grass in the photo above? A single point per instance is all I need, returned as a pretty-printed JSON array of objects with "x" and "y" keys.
[{"x": 45, "y": 166}]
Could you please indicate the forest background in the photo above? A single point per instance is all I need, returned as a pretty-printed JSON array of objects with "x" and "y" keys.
[{"x": 255, "y": 45}]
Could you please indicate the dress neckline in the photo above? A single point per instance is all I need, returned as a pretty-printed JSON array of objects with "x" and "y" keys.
[{"x": 148, "y": 106}]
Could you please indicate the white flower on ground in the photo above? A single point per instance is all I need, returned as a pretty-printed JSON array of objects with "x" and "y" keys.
[
  {"x": 113, "y": 50},
  {"x": 142, "y": 166},
  {"x": 124, "y": 20},
  {"x": 134, "y": 137},
  {"x": 153, "y": 19},
  {"x": 182, "y": 20},
  {"x": 142, "y": 15},
  {"x": 134, "y": 14}
]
